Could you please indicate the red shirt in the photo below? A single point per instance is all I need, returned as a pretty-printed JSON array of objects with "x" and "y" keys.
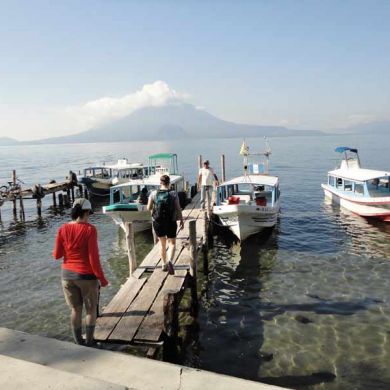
[{"x": 77, "y": 244}]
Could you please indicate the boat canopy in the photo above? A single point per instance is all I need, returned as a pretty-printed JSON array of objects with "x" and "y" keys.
[
  {"x": 163, "y": 163},
  {"x": 342, "y": 149},
  {"x": 253, "y": 179},
  {"x": 160, "y": 156},
  {"x": 120, "y": 166},
  {"x": 359, "y": 174},
  {"x": 148, "y": 181}
]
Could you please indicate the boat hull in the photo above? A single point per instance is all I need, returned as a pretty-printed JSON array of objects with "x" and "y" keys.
[
  {"x": 378, "y": 208},
  {"x": 138, "y": 215},
  {"x": 97, "y": 187},
  {"x": 246, "y": 220}
]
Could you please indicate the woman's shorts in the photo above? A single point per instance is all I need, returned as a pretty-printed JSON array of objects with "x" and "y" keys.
[
  {"x": 165, "y": 229},
  {"x": 79, "y": 292}
]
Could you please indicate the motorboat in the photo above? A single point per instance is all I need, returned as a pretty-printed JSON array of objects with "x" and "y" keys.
[
  {"x": 128, "y": 201},
  {"x": 365, "y": 192},
  {"x": 98, "y": 179},
  {"x": 250, "y": 203}
]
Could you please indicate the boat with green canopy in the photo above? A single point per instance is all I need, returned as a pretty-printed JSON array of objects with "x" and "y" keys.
[{"x": 128, "y": 201}]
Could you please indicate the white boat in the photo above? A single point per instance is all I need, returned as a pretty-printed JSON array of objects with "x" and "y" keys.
[
  {"x": 100, "y": 178},
  {"x": 128, "y": 204},
  {"x": 249, "y": 203},
  {"x": 365, "y": 192}
]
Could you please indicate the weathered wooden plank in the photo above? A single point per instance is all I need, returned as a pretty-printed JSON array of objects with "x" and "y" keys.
[
  {"x": 115, "y": 309},
  {"x": 134, "y": 315},
  {"x": 152, "y": 326}
]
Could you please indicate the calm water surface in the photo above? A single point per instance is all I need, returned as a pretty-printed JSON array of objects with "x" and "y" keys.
[{"x": 306, "y": 305}]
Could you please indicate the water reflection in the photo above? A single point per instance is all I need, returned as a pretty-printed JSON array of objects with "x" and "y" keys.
[{"x": 367, "y": 237}]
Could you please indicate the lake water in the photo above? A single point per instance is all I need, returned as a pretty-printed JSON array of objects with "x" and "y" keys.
[{"x": 306, "y": 306}]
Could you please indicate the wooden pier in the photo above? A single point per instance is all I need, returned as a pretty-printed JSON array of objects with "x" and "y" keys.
[
  {"x": 145, "y": 309},
  {"x": 16, "y": 194}
]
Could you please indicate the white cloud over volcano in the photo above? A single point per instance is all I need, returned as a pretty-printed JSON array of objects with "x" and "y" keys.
[{"x": 42, "y": 122}]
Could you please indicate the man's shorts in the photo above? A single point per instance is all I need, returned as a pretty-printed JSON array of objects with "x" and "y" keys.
[
  {"x": 165, "y": 229},
  {"x": 78, "y": 292}
]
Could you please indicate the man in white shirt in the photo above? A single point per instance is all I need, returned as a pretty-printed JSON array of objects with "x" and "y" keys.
[{"x": 206, "y": 180}]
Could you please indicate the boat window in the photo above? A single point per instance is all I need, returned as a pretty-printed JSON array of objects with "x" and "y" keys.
[
  {"x": 331, "y": 180},
  {"x": 378, "y": 186},
  {"x": 348, "y": 185},
  {"x": 359, "y": 188},
  {"x": 339, "y": 182}
]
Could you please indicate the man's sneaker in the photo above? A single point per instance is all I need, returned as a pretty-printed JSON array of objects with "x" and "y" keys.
[
  {"x": 171, "y": 270},
  {"x": 164, "y": 267}
]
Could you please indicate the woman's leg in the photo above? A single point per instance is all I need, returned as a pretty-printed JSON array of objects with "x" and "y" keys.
[
  {"x": 171, "y": 249},
  {"x": 74, "y": 300},
  {"x": 89, "y": 290},
  {"x": 163, "y": 249}
]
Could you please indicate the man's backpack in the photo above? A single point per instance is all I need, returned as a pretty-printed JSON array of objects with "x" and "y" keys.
[{"x": 163, "y": 206}]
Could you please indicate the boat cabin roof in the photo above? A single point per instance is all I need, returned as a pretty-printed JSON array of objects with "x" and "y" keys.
[
  {"x": 153, "y": 180},
  {"x": 120, "y": 166},
  {"x": 253, "y": 179},
  {"x": 359, "y": 174}
]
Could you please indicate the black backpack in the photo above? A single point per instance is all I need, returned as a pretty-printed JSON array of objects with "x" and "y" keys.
[{"x": 163, "y": 206}]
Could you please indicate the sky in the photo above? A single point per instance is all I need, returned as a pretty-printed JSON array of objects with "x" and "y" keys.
[{"x": 66, "y": 66}]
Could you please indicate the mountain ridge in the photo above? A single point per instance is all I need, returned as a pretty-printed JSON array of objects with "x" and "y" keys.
[{"x": 175, "y": 121}]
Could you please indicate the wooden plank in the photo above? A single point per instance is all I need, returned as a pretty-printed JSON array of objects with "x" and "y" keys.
[
  {"x": 152, "y": 326},
  {"x": 131, "y": 320},
  {"x": 115, "y": 309}
]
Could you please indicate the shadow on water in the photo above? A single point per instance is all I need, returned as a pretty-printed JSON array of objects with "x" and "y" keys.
[{"x": 233, "y": 311}]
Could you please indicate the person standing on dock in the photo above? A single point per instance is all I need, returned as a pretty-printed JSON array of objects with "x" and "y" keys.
[
  {"x": 206, "y": 181},
  {"x": 166, "y": 211},
  {"x": 76, "y": 243}
]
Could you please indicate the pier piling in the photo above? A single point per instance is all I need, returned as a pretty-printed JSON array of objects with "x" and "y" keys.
[
  {"x": 223, "y": 176},
  {"x": 129, "y": 232}
]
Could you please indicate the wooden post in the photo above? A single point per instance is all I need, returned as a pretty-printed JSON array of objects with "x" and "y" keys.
[
  {"x": 223, "y": 176},
  {"x": 61, "y": 200},
  {"x": 205, "y": 244},
  {"x": 200, "y": 161},
  {"x": 14, "y": 196},
  {"x": 39, "y": 207},
  {"x": 171, "y": 313},
  {"x": 129, "y": 232},
  {"x": 54, "y": 200},
  {"x": 193, "y": 268},
  {"x": 72, "y": 192},
  {"x": 66, "y": 200},
  {"x": 21, "y": 211},
  {"x": 171, "y": 324},
  {"x": 193, "y": 249}
]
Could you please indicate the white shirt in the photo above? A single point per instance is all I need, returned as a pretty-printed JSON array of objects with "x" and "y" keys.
[{"x": 207, "y": 176}]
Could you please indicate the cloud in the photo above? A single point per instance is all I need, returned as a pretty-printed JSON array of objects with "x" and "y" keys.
[
  {"x": 34, "y": 122},
  {"x": 103, "y": 110}
]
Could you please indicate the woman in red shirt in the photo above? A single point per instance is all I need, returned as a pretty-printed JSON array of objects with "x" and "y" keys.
[{"x": 76, "y": 243}]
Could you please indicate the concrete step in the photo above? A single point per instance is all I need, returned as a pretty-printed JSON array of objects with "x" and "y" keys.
[
  {"x": 115, "y": 367},
  {"x": 20, "y": 375}
]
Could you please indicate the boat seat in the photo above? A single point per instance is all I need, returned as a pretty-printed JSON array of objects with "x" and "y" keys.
[{"x": 244, "y": 199}]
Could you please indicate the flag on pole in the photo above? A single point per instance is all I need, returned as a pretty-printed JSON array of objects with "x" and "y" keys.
[{"x": 244, "y": 151}]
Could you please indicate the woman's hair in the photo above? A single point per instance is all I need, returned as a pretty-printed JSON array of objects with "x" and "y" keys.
[
  {"x": 164, "y": 179},
  {"x": 77, "y": 212}
]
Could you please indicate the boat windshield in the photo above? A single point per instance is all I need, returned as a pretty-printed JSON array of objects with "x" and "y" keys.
[{"x": 379, "y": 187}]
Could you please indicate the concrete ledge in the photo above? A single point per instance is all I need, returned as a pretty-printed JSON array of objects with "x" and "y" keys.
[
  {"x": 19, "y": 375},
  {"x": 115, "y": 367}
]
